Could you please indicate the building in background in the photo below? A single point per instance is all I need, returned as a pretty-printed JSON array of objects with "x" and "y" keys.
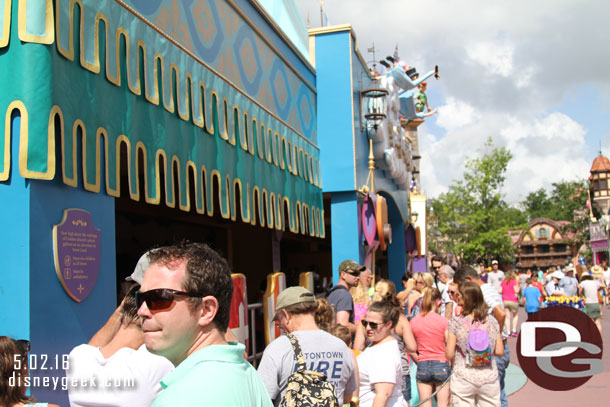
[
  {"x": 599, "y": 197},
  {"x": 542, "y": 245}
]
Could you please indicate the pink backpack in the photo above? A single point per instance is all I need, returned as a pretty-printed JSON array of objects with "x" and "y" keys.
[{"x": 478, "y": 352}]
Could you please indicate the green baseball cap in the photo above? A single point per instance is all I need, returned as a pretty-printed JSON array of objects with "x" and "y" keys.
[
  {"x": 350, "y": 265},
  {"x": 291, "y": 296}
]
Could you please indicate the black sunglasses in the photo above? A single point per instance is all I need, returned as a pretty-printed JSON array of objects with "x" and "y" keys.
[
  {"x": 373, "y": 325},
  {"x": 354, "y": 273},
  {"x": 160, "y": 298}
]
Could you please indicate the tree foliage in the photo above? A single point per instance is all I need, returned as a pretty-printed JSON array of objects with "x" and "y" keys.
[{"x": 472, "y": 217}]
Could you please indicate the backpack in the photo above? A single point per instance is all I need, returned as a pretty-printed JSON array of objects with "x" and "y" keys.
[
  {"x": 306, "y": 388},
  {"x": 478, "y": 352}
]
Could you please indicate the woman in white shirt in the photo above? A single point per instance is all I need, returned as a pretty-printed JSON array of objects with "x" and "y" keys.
[
  {"x": 379, "y": 364},
  {"x": 589, "y": 287}
]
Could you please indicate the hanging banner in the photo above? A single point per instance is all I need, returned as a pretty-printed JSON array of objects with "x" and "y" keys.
[
  {"x": 77, "y": 251},
  {"x": 598, "y": 237}
]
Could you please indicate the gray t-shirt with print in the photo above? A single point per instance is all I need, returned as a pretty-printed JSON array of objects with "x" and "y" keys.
[{"x": 323, "y": 353}]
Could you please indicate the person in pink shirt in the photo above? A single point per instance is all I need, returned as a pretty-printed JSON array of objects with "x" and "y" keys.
[
  {"x": 509, "y": 289},
  {"x": 430, "y": 330}
]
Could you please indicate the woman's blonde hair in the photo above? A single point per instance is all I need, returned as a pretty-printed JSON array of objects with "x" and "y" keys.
[
  {"x": 431, "y": 295},
  {"x": 510, "y": 276},
  {"x": 360, "y": 293},
  {"x": 384, "y": 290},
  {"x": 428, "y": 279}
]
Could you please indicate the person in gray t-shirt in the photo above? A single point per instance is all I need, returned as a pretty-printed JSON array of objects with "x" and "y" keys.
[
  {"x": 340, "y": 298},
  {"x": 323, "y": 352}
]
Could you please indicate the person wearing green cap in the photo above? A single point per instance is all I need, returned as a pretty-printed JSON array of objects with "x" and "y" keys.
[
  {"x": 323, "y": 352},
  {"x": 340, "y": 298}
]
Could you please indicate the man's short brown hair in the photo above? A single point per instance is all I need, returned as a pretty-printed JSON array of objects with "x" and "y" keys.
[
  {"x": 302, "y": 307},
  {"x": 207, "y": 273}
]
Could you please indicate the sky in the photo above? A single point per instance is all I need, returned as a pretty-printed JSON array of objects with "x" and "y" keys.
[{"x": 532, "y": 75}]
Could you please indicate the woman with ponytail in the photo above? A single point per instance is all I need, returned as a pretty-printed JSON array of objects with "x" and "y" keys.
[
  {"x": 379, "y": 364},
  {"x": 430, "y": 330},
  {"x": 385, "y": 292}
]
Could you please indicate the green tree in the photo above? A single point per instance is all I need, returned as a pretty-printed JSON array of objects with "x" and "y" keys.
[
  {"x": 537, "y": 204},
  {"x": 472, "y": 215}
]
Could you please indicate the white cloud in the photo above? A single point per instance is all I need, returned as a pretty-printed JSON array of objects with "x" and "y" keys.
[
  {"x": 455, "y": 114},
  {"x": 545, "y": 150},
  {"x": 494, "y": 57}
]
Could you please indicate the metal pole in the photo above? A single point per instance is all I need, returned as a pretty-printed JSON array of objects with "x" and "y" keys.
[
  {"x": 321, "y": 14},
  {"x": 372, "y": 175}
]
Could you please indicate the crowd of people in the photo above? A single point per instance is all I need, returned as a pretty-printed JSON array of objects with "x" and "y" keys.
[{"x": 444, "y": 335}]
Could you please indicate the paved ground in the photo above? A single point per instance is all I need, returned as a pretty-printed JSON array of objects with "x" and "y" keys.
[{"x": 594, "y": 393}]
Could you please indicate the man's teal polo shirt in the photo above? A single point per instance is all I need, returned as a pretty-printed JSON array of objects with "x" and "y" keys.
[{"x": 215, "y": 376}]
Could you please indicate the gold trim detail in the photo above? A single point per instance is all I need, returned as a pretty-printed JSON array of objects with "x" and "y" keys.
[
  {"x": 23, "y": 146},
  {"x": 230, "y": 121},
  {"x": 48, "y": 37},
  {"x": 211, "y": 69},
  {"x": 6, "y": 24}
]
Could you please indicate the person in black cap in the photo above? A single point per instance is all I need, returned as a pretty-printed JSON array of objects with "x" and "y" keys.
[{"x": 340, "y": 297}]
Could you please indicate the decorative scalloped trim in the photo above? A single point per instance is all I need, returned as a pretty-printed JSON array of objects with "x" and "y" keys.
[{"x": 230, "y": 121}]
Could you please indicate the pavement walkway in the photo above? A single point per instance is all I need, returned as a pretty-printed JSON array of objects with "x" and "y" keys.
[{"x": 524, "y": 393}]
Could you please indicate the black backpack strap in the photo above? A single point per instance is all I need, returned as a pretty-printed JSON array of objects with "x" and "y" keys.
[{"x": 298, "y": 355}]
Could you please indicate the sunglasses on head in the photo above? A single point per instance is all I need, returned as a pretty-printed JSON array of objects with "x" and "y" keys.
[
  {"x": 373, "y": 325},
  {"x": 160, "y": 298}
]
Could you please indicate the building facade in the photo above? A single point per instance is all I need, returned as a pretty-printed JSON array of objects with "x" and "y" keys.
[
  {"x": 542, "y": 245},
  {"x": 130, "y": 124}
]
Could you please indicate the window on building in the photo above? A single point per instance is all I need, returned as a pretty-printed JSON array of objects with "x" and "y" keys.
[
  {"x": 542, "y": 233},
  {"x": 527, "y": 249},
  {"x": 545, "y": 248}
]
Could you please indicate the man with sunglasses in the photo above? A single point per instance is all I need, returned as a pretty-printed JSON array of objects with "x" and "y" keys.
[
  {"x": 185, "y": 302},
  {"x": 323, "y": 352},
  {"x": 340, "y": 298}
]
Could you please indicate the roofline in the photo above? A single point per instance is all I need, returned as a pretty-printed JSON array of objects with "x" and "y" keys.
[{"x": 339, "y": 28}]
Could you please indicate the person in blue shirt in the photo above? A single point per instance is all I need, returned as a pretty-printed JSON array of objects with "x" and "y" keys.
[{"x": 531, "y": 298}]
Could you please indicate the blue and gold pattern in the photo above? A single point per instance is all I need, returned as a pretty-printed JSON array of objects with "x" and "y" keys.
[{"x": 169, "y": 101}]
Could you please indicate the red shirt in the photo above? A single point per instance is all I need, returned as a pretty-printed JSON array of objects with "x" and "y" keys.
[{"x": 429, "y": 331}]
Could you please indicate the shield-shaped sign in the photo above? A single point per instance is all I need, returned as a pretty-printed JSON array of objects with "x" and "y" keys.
[
  {"x": 369, "y": 223},
  {"x": 77, "y": 251}
]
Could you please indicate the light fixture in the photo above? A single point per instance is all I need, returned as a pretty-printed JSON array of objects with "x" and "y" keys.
[
  {"x": 414, "y": 216},
  {"x": 373, "y": 105}
]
